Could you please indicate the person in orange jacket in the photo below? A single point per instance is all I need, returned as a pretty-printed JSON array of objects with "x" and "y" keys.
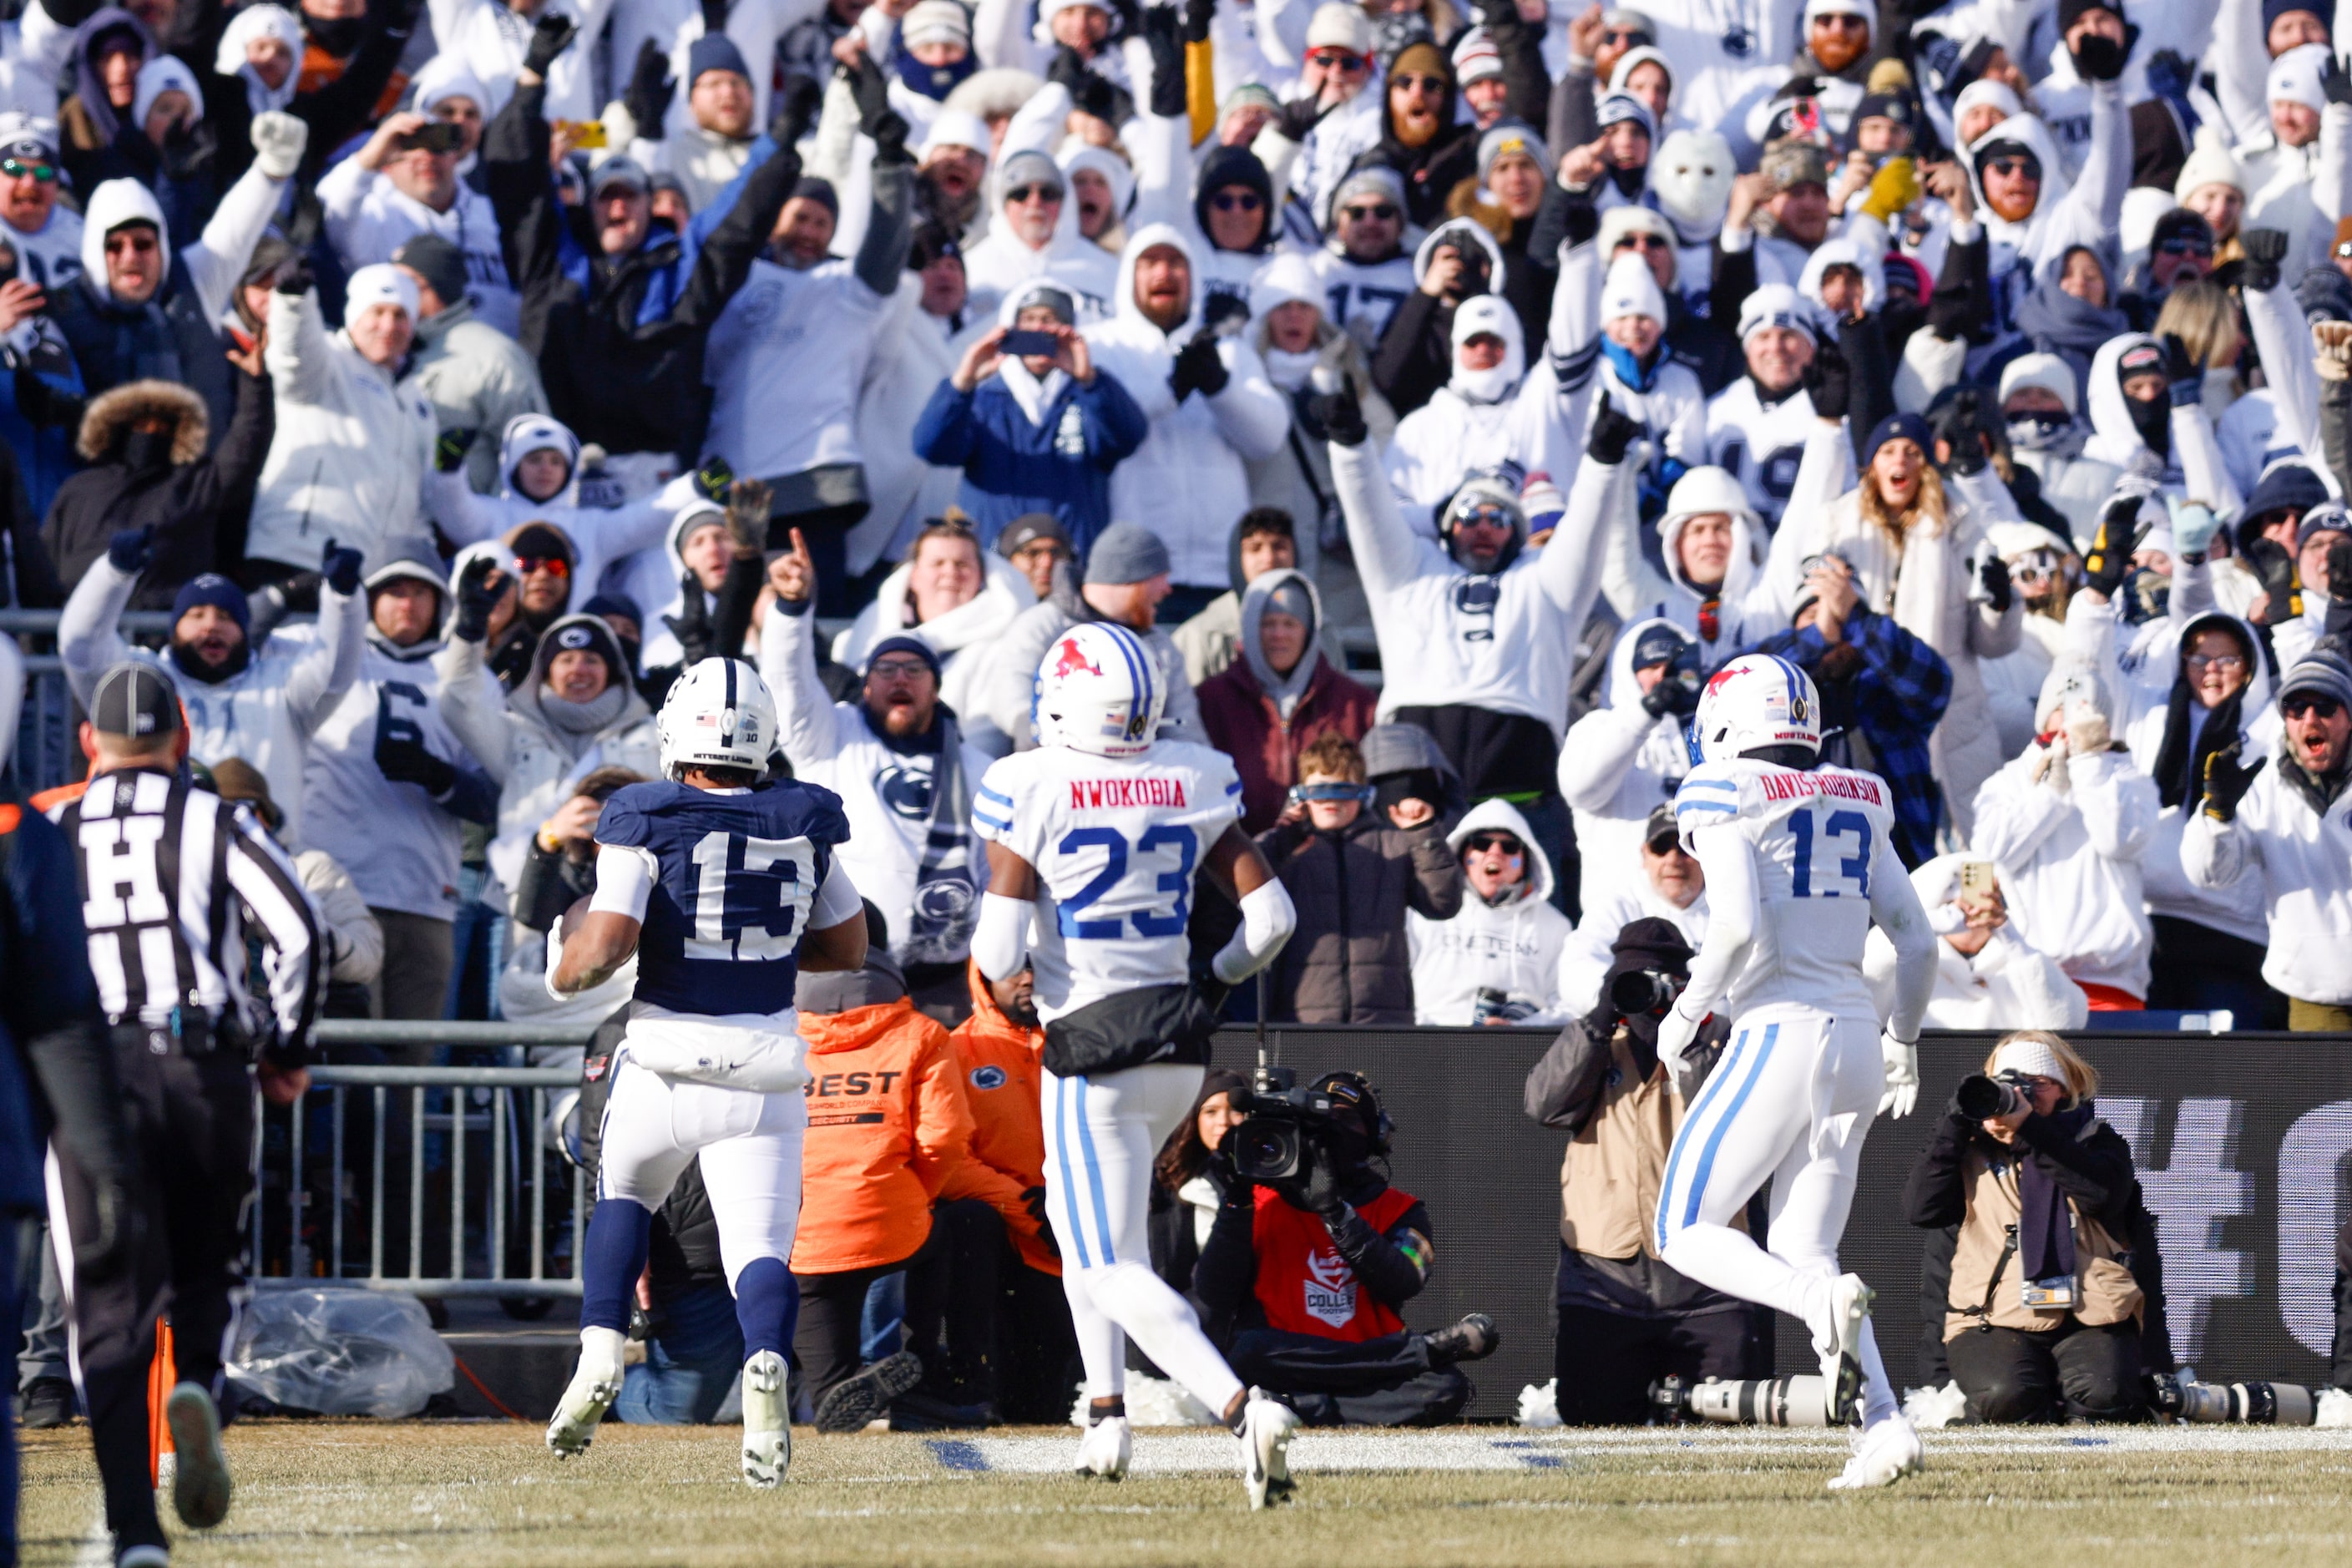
[
  {"x": 997, "y": 1282},
  {"x": 888, "y": 1125}
]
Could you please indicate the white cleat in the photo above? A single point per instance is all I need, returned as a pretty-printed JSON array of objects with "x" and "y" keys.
[
  {"x": 200, "y": 1481},
  {"x": 767, "y": 1421},
  {"x": 1268, "y": 1426},
  {"x": 1106, "y": 1448},
  {"x": 1850, "y": 1302},
  {"x": 595, "y": 1384},
  {"x": 1889, "y": 1452}
]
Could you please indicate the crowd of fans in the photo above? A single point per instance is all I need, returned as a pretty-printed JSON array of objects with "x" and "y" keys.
[{"x": 1442, "y": 395}]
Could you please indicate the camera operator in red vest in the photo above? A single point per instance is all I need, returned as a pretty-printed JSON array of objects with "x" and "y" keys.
[{"x": 1313, "y": 1272}]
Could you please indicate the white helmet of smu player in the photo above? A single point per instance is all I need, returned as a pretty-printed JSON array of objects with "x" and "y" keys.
[
  {"x": 1099, "y": 689},
  {"x": 718, "y": 715},
  {"x": 1758, "y": 699}
]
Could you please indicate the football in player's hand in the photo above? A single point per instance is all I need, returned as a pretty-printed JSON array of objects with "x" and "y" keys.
[{"x": 568, "y": 923}]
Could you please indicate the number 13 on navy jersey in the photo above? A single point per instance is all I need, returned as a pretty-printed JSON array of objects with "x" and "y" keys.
[{"x": 1117, "y": 842}]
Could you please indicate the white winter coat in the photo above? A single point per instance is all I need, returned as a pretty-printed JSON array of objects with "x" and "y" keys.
[
  {"x": 2070, "y": 863},
  {"x": 2007, "y": 985},
  {"x": 976, "y": 625},
  {"x": 352, "y": 450},
  {"x": 2304, "y": 863},
  {"x": 1619, "y": 765},
  {"x": 1514, "y": 949},
  {"x": 1584, "y": 958}
]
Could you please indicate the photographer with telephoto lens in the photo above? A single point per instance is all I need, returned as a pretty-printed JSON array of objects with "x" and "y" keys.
[
  {"x": 1312, "y": 1255},
  {"x": 2045, "y": 1312},
  {"x": 1626, "y": 1319}
]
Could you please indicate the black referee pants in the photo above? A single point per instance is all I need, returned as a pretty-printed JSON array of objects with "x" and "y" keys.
[{"x": 191, "y": 1121}]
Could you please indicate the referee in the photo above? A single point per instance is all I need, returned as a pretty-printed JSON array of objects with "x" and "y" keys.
[{"x": 172, "y": 879}]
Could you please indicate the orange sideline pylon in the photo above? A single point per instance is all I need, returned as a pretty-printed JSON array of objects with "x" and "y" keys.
[{"x": 161, "y": 1375}]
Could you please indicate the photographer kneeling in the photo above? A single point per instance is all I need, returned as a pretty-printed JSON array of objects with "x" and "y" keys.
[
  {"x": 2043, "y": 1315},
  {"x": 1627, "y": 1319},
  {"x": 1313, "y": 1269}
]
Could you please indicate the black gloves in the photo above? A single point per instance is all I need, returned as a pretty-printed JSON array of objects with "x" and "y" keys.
[
  {"x": 2098, "y": 57},
  {"x": 1300, "y": 115},
  {"x": 1159, "y": 29},
  {"x": 750, "y": 511},
  {"x": 871, "y": 90},
  {"x": 1613, "y": 431},
  {"x": 1994, "y": 575},
  {"x": 449, "y": 450},
  {"x": 2109, "y": 561},
  {"x": 130, "y": 549},
  {"x": 1033, "y": 1200},
  {"x": 2335, "y": 81},
  {"x": 711, "y": 479},
  {"x": 405, "y": 761},
  {"x": 1341, "y": 417},
  {"x": 1197, "y": 14},
  {"x": 2226, "y": 782},
  {"x": 651, "y": 87},
  {"x": 1676, "y": 692},
  {"x": 889, "y": 134},
  {"x": 1830, "y": 380},
  {"x": 2184, "y": 378},
  {"x": 293, "y": 276},
  {"x": 1956, "y": 425},
  {"x": 796, "y": 103},
  {"x": 1198, "y": 368},
  {"x": 2273, "y": 568},
  {"x": 1090, "y": 91},
  {"x": 550, "y": 36},
  {"x": 691, "y": 625},
  {"x": 2266, "y": 248},
  {"x": 476, "y": 596},
  {"x": 342, "y": 569}
]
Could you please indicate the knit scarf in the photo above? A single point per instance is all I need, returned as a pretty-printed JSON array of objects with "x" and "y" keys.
[
  {"x": 2046, "y": 1228},
  {"x": 2179, "y": 767},
  {"x": 576, "y": 724},
  {"x": 947, "y": 893}
]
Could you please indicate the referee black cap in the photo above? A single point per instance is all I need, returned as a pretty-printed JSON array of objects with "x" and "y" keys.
[{"x": 135, "y": 700}]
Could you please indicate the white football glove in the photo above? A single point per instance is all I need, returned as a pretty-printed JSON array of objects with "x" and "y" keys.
[
  {"x": 278, "y": 139},
  {"x": 1674, "y": 1034},
  {"x": 1902, "y": 1059}
]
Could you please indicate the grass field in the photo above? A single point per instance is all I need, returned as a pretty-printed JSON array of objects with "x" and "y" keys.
[{"x": 489, "y": 1495}]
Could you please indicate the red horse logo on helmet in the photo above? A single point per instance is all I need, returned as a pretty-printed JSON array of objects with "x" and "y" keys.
[
  {"x": 1074, "y": 659},
  {"x": 1721, "y": 679}
]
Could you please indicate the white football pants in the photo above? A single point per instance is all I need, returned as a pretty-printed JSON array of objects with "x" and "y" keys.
[
  {"x": 1790, "y": 1102},
  {"x": 1102, "y": 1135},
  {"x": 750, "y": 1143}
]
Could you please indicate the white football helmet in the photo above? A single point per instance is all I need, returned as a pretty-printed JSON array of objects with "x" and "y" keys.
[
  {"x": 718, "y": 715},
  {"x": 1099, "y": 689},
  {"x": 1758, "y": 699}
]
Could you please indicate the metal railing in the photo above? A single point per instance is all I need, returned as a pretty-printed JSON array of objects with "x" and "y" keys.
[{"x": 363, "y": 1205}]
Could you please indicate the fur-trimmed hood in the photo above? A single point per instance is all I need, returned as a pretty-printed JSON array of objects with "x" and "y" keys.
[{"x": 111, "y": 415}]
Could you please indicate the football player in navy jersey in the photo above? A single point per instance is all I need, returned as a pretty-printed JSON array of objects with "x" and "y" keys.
[{"x": 724, "y": 887}]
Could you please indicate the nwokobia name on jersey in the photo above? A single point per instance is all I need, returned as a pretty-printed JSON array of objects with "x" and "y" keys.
[
  {"x": 1843, "y": 786},
  {"x": 1120, "y": 794}
]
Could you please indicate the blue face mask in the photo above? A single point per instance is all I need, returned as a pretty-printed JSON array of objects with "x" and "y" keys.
[
  {"x": 934, "y": 82},
  {"x": 1629, "y": 369}
]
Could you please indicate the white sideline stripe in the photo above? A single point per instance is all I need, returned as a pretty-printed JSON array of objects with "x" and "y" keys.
[
  {"x": 95, "y": 1548},
  {"x": 1520, "y": 1450}
]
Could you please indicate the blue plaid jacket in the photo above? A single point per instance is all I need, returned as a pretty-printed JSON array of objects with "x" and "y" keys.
[{"x": 1894, "y": 700}]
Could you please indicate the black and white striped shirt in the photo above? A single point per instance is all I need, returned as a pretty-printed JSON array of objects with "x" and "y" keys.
[{"x": 172, "y": 878}]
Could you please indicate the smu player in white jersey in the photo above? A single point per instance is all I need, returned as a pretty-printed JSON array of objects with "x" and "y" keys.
[
  {"x": 1094, "y": 842},
  {"x": 1800, "y": 862},
  {"x": 725, "y": 888}
]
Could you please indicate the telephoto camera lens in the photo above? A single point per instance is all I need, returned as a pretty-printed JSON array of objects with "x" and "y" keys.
[
  {"x": 2246, "y": 1403},
  {"x": 1761, "y": 1401},
  {"x": 1980, "y": 1099},
  {"x": 1639, "y": 991}
]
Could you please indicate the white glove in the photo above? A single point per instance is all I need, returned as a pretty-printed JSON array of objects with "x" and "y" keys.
[
  {"x": 277, "y": 141},
  {"x": 1901, "y": 1060},
  {"x": 1674, "y": 1034}
]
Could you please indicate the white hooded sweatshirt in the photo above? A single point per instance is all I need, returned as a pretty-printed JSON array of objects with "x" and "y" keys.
[
  {"x": 1190, "y": 480},
  {"x": 1480, "y": 419},
  {"x": 2194, "y": 466},
  {"x": 2087, "y": 213},
  {"x": 2007, "y": 985},
  {"x": 601, "y": 536},
  {"x": 1619, "y": 765},
  {"x": 2068, "y": 834},
  {"x": 977, "y": 623},
  {"x": 1513, "y": 947},
  {"x": 1003, "y": 261},
  {"x": 2300, "y": 859}
]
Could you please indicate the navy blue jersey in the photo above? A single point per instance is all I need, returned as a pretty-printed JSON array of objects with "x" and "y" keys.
[{"x": 739, "y": 872}]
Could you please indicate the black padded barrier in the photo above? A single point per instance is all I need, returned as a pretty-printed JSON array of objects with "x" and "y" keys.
[{"x": 2241, "y": 1140}]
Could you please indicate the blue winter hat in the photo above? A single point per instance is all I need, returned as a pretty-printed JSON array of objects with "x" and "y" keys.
[
  {"x": 218, "y": 591},
  {"x": 915, "y": 645},
  {"x": 714, "y": 52},
  {"x": 1909, "y": 427}
]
